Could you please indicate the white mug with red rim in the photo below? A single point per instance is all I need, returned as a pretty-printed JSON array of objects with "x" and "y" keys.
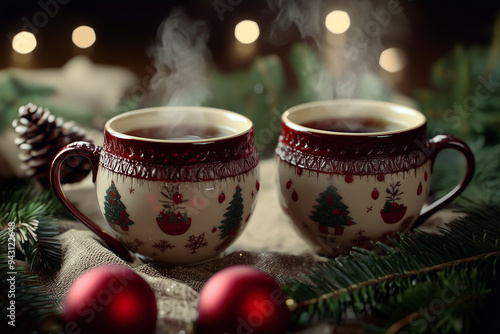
[
  {"x": 173, "y": 201},
  {"x": 347, "y": 188}
]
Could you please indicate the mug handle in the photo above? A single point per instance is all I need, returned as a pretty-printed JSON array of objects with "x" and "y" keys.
[
  {"x": 92, "y": 153},
  {"x": 436, "y": 145}
]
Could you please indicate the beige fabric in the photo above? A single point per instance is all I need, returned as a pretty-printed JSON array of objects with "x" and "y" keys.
[
  {"x": 269, "y": 243},
  {"x": 176, "y": 288}
]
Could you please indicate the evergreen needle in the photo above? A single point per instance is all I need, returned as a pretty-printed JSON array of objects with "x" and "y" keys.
[{"x": 383, "y": 276}]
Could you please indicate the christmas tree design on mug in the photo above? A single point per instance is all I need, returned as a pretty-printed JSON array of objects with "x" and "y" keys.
[
  {"x": 115, "y": 211},
  {"x": 231, "y": 223},
  {"x": 331, "y": 212}
]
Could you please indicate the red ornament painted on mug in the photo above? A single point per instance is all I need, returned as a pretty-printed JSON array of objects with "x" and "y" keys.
[
  {"x": 425, "y": 176},
  {"x": 295, "y": 196},
  {"x": 257, "y": 185},
  {"x": 289, "y": 184},
  {"x": 177, "y": 198},
  {"x": 299, "y": 171},
  {"x": 329, "y": 200},
  {"x": 419, "y": 189},
  {"x": 222, "y": 198},
  {"x": 375, "y": 194},
  {"x": 349, "y": 178},
  {"x": 380, "y": 177},
  {"x": 214, "y": 229}
]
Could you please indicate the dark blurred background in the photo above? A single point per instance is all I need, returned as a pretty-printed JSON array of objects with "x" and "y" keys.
[
  {"x": 126, "y": 29},
  {"x": 440, "y": 52}
]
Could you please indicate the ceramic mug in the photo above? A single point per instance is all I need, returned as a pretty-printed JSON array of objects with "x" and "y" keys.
[
  {"x": 176, "y": 185},
  {"x": 355, "y": 171}
]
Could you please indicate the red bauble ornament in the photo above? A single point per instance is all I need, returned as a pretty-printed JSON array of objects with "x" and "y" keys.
[
  {"x": 222, "y": 198},
  {"x": 242, "y": 299},
  {"x": 419, "y": 189},
  {"x": 335, "y": 211},
  {"x": 295, "y": 196},
  {"x": 257, "y": 185},
  {"x": 177, "y": 198},
  {"x": 375, "y": 193},
  {"x": 110, "y": 299},
  {"x": 349, "y": 178},
  {"x": 288, "y": 184}
]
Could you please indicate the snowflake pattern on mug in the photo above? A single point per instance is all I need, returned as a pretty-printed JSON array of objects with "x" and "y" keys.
[
  {"x": 163, "y": 245},
  {"x": 196, "y": 242}
]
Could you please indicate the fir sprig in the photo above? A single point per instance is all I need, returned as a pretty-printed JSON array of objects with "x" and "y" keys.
[
  {"x": 445, "y": 301},
  {"x": 408, "y": 277},
  {"x": 34, "y": 310},
  {"x": 32, "y": 211}
]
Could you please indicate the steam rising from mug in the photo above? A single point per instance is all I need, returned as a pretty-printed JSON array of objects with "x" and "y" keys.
[
  {"x": 350, "y": 60},
  {"x": 305, "y": 15},
  {"x": 182, "y": 60},
  {"x": 346, "y": 66}
]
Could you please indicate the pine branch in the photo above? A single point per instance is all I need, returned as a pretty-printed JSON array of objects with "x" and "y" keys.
[
  {"x": 367, "y": 281},
  {"x": 35, "y": 311},
  {"x": 389, "y": 277},
  {"x": 444, "y": 302},
  {"x": 46, "y": 251},
  {"x": 31, "y": 210},
  {"x": 422, "y": 313}
]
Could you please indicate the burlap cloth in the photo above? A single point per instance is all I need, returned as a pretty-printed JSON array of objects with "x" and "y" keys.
[{"x": 269, "y": 243}]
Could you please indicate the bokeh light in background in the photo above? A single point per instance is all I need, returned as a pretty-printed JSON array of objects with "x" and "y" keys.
[
  {"x": 392, "y": 60},
  {"x": 337, "y": 22},
  {"x": 83, "y": 36},
  {"x": 247, "y": 31},
  {"x": 24, "y": 42}
]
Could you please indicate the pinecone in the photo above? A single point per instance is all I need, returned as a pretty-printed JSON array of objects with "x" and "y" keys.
[{"x": 40, "y": 136}]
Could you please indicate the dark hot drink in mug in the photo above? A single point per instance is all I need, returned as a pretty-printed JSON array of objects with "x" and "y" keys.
[
  {"x": 358, "y": 125},
  {"x": 179, "y": 132}
]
